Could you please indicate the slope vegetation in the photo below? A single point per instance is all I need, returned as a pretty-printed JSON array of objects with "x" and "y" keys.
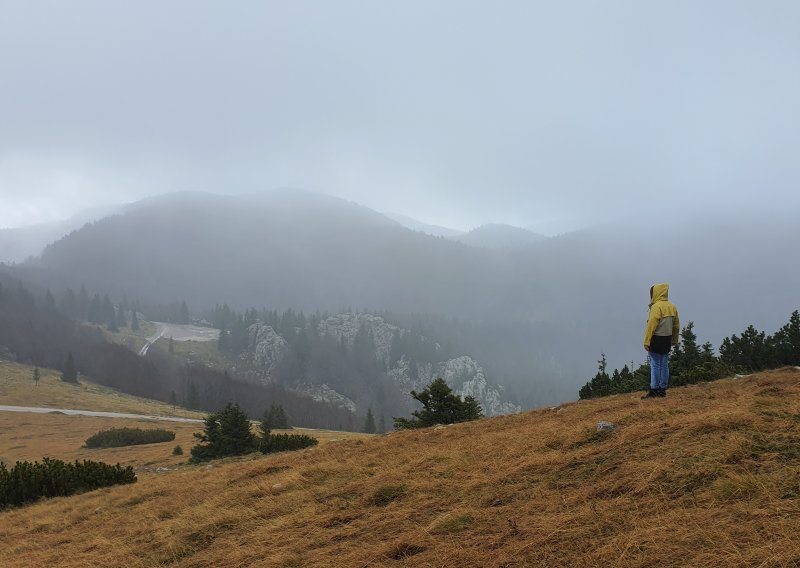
[
  {"x": 18, "y": 389},
  {"x": 706, "y": 477}
]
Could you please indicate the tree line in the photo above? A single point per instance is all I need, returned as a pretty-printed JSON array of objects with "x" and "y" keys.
[{"x": 33, "y": 331}]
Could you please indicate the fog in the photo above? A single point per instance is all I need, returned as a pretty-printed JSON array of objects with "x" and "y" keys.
[
  {"x": 556, "y": 116},
  {"x": 246, "y": 154}
]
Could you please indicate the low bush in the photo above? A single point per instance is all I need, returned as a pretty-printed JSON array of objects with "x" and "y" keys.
[
  {"x": 177, "y": 451},
  {"x": 271, "y": 443},
  {"x": 27, "y": 482},
  {"x": 117, "y": 437}
]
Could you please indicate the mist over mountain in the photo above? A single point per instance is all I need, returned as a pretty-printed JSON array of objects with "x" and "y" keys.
[
  {"x": 19, "y": 243},
  {"x": 499, "y": 236},
  {"x": 414, "y": 224},
  {"x": 536, "y": 317}
]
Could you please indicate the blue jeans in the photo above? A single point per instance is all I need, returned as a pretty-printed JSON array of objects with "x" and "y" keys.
[{"x": 659, "y": 370}]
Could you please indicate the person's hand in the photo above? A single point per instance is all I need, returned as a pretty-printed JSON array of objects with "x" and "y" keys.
[{"x": 647, "y": 348}]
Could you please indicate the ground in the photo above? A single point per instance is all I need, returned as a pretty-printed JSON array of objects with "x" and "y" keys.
[
  {"x": 29, "y": 436},
  {"x": 709, "y": 476},
  {"x": 18, "y": 389}
]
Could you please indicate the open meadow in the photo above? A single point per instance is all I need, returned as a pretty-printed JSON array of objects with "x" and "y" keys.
[{"x": 708, "y": 477}]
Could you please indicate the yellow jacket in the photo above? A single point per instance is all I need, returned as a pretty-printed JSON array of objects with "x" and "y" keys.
[{"x": 660, "y": 308}]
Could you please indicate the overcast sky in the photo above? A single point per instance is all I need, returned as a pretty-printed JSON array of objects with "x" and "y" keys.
[{"x": 457, "y": 113}]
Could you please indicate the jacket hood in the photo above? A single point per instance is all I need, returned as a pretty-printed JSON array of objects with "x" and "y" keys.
[{"x": 659, "y": 293}]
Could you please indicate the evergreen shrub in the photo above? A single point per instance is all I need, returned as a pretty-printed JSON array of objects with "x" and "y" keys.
[
  {"x": 271, "y": 443},
  {"x": 27, "y": 482},
  {"x": 118, "y": 437},
  {"x": 226, "y": 433}
]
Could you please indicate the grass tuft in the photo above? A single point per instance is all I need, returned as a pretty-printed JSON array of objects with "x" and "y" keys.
[{"x": 385, "y": 494}]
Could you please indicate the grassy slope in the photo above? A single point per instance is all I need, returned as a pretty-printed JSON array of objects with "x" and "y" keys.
[
  {"x": 708, "y": 477},
  {"x": 28, "y": 436},
  {"x": 17, "y": 389}
]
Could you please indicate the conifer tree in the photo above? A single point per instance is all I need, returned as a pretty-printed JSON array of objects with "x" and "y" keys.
[
  {"x": 82, "y": 304},
  {"x": 69, "y": 304},
  {"x": 36, "y": 376},
  {"x": 134, "y": 321},
  {"x": 787, "y": 341},
  {"x": 173, "y": 399},
  {"x": 369, "y": 423},
  {"x": 440, "y": 406},
  {"x": 192, "y": 395},
  {"x": 69, "y": 374},
  {"x": 226, "y": 433}
]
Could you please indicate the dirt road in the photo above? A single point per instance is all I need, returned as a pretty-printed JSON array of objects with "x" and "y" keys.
[{"x": 72, "y": 412}]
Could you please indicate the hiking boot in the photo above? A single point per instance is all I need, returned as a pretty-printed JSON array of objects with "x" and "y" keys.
[{"x": 650, "y": 394}]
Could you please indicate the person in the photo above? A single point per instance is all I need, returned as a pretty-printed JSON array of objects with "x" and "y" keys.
[{"x": 660, "y": 335}]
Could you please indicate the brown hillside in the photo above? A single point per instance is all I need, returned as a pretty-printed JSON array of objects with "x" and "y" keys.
[{"x": 709, "y": 476}]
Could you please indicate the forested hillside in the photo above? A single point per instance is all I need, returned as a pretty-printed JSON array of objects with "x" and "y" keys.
[
  {"x": 535, "y": 317},
  {"x": 34, "y": 331}
]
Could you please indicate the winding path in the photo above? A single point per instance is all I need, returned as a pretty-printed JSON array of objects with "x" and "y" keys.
[{"x": 71, "y": 412}]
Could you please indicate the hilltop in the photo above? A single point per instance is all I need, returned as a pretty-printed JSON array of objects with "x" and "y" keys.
[{"x": 706, "y": 477}]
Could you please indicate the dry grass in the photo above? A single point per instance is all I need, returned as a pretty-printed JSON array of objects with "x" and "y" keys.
[
  {"x": 17, "y": 389},
  {"x": 27, "y": 436},
  {"x": 708, "y": 477}
]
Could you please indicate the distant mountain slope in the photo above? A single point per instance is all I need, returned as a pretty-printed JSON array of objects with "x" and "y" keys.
[
  {"x": 498, "y": 236},
  {"x": 281, "y": 249},
  {"x": 415, "y": 225},
  {"x": 538, "y": 316},
  {"x": 706, "y": 477},
  {"x": 17, "y": 244}
]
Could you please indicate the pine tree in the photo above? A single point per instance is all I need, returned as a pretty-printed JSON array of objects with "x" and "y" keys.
[
  {"x": 192, "y": 396},
  {"x": 36, "y": 376},
  {"x": 600, "y": 385},
  {"x": 69, "y": 304},
  {"x": 134, "y": 321},
  {"x": 109, "y": 317},
  {"x": 787, "y": 341},
  {"x": 281, "y": 420},
  {"x": 226, "y": 433},
  {"x": 173, "y": 399},
  {"x": 275, "y": 418},
  {"x": 440, "y": 406},
  {"x": 369, "y": 423},
  {"x": 69, "y": 374},
  {"x": 82, "y": 304},
  {"x": 752, "y": 351}
]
